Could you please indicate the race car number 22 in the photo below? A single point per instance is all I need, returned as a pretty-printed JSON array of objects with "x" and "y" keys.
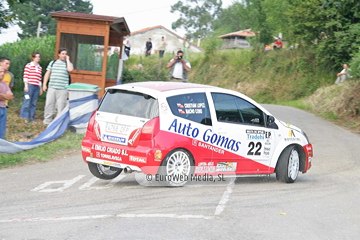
[{"x": 254, "y": 146}]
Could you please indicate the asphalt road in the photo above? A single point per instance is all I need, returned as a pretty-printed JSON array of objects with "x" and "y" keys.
[{"x": 60, "y": 199}]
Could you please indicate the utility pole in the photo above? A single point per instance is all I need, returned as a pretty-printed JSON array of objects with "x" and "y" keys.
[{"x": 38, "y": 30}]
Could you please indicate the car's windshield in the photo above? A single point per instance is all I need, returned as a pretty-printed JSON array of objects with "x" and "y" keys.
[{"x": 130, "y": 103}]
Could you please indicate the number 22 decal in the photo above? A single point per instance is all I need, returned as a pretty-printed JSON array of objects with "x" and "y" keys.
[{"x": 252, "y": 145}]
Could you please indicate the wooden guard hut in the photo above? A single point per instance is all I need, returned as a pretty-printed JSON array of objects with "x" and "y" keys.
[
  {"x": 94, "y": 44},
  {"x": 237, "y": 39}
]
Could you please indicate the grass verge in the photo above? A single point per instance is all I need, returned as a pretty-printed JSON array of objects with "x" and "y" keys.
[{"x": 68, "y": 143}]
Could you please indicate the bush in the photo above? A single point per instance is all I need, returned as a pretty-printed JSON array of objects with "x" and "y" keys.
[{"x": 19, "y": 54}]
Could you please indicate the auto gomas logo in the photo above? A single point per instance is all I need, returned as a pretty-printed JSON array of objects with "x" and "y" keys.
[{"x": 208, "y": 136}]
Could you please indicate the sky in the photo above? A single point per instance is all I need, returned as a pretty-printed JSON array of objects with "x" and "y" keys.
[{"x": 138, "y": 14}]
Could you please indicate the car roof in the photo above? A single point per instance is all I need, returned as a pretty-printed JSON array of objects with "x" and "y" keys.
[
  {"x": 153, "y": 88},
  {"x": 161, "y": 86}
]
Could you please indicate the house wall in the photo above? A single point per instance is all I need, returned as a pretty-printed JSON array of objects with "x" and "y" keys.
[
  {"x": 174, "y": 42},
  {"x": 235, "y": 42}
]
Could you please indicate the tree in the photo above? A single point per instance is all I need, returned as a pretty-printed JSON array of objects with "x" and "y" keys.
[
  {"x": 231, "y": 19},
  {"x": 196, "y": 16},
  {"x": 332, "y": 27},
  {"x": 32, "y": 12},
  {"x": 6, "y": 16},
  {"x": 247, "y": 14}
]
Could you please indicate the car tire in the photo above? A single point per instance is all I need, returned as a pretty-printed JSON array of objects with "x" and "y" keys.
[
  {"x": 177, "y": 168},
  {"x": 103, "y": 171},
  {"x": 287, "y": 169}
]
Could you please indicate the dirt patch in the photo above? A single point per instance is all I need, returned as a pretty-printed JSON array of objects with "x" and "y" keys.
[{"x": 17, "y": 125}]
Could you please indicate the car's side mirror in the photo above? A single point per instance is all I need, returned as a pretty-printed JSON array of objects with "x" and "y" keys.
[{"x": 270, "y": 122}]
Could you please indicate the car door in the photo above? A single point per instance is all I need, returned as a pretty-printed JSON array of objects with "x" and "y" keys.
[
  {"x": 189, "y": 119},
  {"x": 241, "y": 121}
]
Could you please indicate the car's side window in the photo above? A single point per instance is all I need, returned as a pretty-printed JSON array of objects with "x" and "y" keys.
[
  {"x": 233, "y": 109},
  {"x": 226, "y": 108},
  {"x": 191, "y": 106}
]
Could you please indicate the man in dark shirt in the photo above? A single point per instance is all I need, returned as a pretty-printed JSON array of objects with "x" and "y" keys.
[{"x": 148, "y": 47}]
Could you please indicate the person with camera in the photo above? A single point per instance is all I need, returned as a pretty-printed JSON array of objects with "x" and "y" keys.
[{"x": 179, "y": 68}]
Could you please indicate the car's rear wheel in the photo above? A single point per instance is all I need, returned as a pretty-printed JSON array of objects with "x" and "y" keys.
[
  {"x": 177, "y": 167},
  {"x": 103, "y": 171},
  {"x": 287, "y": 169}
]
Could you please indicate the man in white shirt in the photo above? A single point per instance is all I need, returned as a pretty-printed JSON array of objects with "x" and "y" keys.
[
  {"x": 179, "y": 68},
  {"x": 343, "y": 75}
]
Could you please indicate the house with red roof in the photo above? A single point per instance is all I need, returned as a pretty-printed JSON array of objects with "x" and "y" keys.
[{"x": 175, "y": 42}]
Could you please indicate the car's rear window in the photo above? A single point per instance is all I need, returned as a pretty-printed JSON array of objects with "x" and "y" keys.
[{"x": 129, "y": 103}]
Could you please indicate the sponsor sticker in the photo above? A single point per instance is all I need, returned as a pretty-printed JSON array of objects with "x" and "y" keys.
[
  {"x": 204, "y": 167},
  {"x": 86, "y": 149},
  {"x": 137, "y": 159},
  {"x": 113, "y": 138},
  {"x": 291, "y": 137},
  {"x": 226, "y": 166},
  {"x": 164, "y": 107},
  {"x": 258, "y": 134},
  {"x": 112, "y": 164},
  {"x": 208, "y": 136},
  {"x": 158, "y": 155},
  {"x": 133, "y": 138}
]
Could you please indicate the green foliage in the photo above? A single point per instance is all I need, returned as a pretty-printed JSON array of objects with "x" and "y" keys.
[
  {"x": 152, "y": 68},
  {"x": 31, "y": 12},
  {"x": 332, "y": 26},
  {"x": 231, "y": 19},
  {"x": 87, "y": 59},
  {"x": 330, "y": 115},
  {"x": 211, "y": 45},
  {"x": 196, "y": 16},
  {"x": 19, "y": 54},
  {"x": 355, "y": 65}
]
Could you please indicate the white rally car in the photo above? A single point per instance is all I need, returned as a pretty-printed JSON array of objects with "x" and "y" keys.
[{"x": 183, "y": 129}]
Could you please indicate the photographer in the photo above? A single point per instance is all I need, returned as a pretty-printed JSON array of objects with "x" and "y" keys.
[{"x": 179, "y": 68}]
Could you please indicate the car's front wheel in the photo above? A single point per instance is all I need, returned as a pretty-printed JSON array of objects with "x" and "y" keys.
[
  {"x": 177, "y": 167},
  {"x": 103, "y": 171},
  {"x": 287, "y": 169}
]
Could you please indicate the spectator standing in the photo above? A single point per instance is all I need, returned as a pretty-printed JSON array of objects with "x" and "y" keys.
[
  {"x": 8, "y": 77},
  {"x": 148, "y": 47},
  {"x": 58, "y": 76},
  {"x": 32, "y": 87},
  {"x": 344, "y": 74},
  {"x": 162, "y": 47},
  {"x": 185, "y": 46},
  {"x": 5, "y": 94},
  {"x": 127, "y": 47},
  {"x": 179, "y": 68}
]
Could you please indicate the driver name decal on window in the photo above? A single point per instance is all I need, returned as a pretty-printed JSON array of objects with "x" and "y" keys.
[{"x": 191, "y": 108}]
